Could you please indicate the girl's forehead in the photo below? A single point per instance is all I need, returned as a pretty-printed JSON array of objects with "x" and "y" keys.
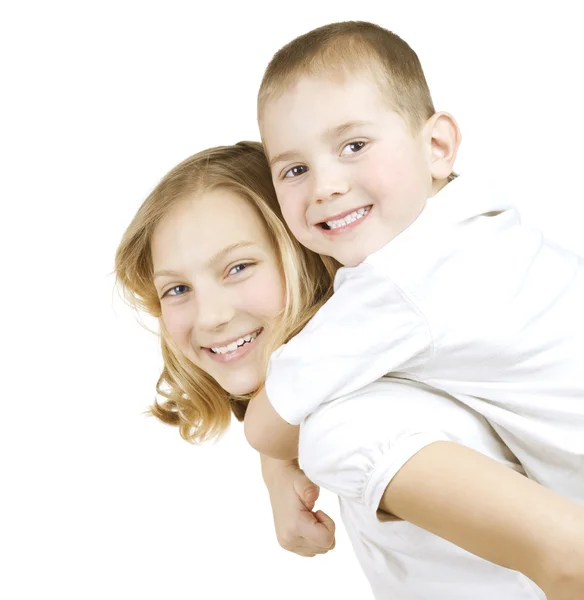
[
  {"x": 214, "y": 211},
  {"x": 201, "y": 226}
]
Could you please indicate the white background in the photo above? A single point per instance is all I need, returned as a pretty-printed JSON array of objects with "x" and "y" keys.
[{"x": 99, "y": 100}]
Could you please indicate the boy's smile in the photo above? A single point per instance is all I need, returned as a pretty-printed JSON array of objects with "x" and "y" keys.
[{"x": 348, "y": 171}]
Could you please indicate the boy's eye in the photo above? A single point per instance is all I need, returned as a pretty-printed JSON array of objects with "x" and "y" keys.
[
  {"x": 177, "y": 290},
  {"x": 353, "y": 148},
  {"x": 295, "y": 171}
]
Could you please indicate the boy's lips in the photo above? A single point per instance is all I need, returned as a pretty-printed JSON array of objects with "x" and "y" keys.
[
  {"x": 344, "y": 221},
  {"x": 342, "y": 215}
]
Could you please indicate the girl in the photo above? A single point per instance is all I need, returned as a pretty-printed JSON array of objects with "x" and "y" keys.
[{"x": 208, "y": 254}]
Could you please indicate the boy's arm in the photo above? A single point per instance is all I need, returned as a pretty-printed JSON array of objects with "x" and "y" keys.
[
  {"x": 493, "y": 512},
  {"x": 367, "y": 329},
  {"x": 299, "y": 528},
  {"x": 267, "y": 432}
]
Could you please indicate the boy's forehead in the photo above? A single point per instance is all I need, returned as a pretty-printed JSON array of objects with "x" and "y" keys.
[
  {"x": 338, "y": 77},
  {"x": 323, "y": 101}
]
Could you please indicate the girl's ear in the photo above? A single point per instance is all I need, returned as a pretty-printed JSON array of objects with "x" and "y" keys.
[{"x": 444, "y": 138}]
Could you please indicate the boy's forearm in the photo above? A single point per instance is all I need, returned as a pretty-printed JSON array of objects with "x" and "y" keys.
[
  {"x": 267, "y": 432},
  {"x": 272, "y": 466},
  {"x": 491, "y": 511},
  {"x": 561, "y": 561}
]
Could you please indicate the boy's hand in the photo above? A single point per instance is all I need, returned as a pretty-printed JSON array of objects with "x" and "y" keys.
[{"x": 293, "y": 496}]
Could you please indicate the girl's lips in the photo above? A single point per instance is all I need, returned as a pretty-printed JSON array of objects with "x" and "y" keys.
[{"x": 240, "y": 352}]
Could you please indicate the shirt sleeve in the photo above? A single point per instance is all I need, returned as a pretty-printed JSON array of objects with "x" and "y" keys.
[
  {"x": 354, "y": 446},
  {"x": 368, "y": 328}
]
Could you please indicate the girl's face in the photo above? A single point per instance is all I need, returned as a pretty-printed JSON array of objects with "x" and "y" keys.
[{"x": 219, "y": 284}]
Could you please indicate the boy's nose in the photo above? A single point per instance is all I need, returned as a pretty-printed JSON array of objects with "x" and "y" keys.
[{"x": 329, "y": 185}]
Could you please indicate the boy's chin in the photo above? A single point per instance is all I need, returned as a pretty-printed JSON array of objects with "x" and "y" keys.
[{"x": 350, "y": 259}]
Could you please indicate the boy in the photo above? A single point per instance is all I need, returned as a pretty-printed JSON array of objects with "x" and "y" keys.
[{"x": 442, "y": 284}]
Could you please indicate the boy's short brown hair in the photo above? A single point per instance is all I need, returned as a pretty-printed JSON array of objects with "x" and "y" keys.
[{"x": 350, "y": 47}]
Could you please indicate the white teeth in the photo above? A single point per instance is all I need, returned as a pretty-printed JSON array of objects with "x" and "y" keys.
[
  {"x": 350, "y": 218},
  {"x": 235, "y": 345}
]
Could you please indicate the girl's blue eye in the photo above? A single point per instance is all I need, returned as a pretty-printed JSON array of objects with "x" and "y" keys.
[
  {"x": 238, "y": 268},
  {"x": 295, "y": 171},
  {"x": 177, "y": 290},
  {"x": 354, "y": 147}
]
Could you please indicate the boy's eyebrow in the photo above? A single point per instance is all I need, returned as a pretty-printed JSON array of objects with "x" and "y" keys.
[
  {"x": 344, "y": 127},
  {"x": 332, "y": 132},
  {"x": 214, "y": 259},
  {"x": 283, "y": 157}
]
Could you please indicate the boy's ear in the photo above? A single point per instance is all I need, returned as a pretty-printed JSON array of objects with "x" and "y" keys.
[{"x": 444, "y": 138}]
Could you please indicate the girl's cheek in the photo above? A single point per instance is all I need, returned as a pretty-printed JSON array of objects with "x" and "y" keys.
[
  {"x": 176, "y": 324},
  {"x": 264, "y": 297},
  {"x": 274, "y": 292}
]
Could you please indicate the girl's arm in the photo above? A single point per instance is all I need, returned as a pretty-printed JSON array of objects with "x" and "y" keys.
[
  {"x": 493, "y": 512},
  {"x": 299, "y": 528},
  {"x": 267, "y": 432}
]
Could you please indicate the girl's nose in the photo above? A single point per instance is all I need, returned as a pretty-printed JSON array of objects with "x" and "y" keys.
[{"x": 214, "y": 310}]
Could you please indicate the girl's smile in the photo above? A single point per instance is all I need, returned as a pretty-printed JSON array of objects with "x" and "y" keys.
[
  {"x": 236, "y": 349},
  {"x": 220, "y": 285}
]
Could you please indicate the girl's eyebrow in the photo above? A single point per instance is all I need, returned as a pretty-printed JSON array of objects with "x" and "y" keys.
[
  {"x": 164, "y": 273},
  {"x": 218, "y": 256},
  {"x": 227, "y": 250}
]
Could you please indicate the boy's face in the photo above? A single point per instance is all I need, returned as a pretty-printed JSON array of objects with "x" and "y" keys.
[{"x": 349, "y": 174}]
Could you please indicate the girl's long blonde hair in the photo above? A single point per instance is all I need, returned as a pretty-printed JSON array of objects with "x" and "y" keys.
[{"x": 191, "y": 399}]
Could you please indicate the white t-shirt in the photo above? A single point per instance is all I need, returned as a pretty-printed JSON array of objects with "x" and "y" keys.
[
  {"x": 355, "y": 445},
  {"x": 469, "y": 301}
]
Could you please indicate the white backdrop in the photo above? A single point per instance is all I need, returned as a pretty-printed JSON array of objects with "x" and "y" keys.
[{"x": 99, "y": 100}]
